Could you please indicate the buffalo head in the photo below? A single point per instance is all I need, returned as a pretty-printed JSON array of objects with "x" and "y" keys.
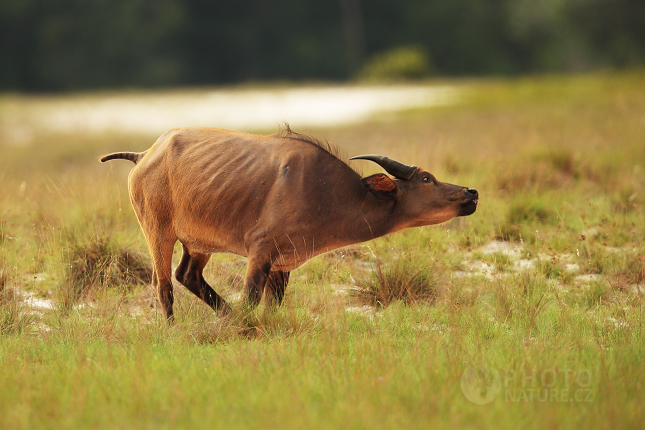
[{"x": 422, "y": 198}]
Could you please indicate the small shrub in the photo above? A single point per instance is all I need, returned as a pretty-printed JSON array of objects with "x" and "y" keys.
[
  {"x": 403, "y": 280},
  {"x": 406, "y": 62}
]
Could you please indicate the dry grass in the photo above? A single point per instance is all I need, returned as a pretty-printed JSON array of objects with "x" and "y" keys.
[
  {"x": 403, "y": 279},
  {"x": 104, "y": 263}
]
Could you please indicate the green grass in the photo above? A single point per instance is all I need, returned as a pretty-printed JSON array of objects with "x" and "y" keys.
[{"x": 544, "y": 284}]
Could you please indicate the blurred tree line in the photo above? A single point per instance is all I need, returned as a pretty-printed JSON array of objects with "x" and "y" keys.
[{"x": 51, "y": 45}]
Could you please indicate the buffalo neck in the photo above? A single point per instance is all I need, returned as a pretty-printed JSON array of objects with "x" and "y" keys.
[{"x": 374, "y": 218}]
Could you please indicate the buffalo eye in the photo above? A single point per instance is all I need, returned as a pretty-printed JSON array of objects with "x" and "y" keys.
[{"x": 426, "y": 179}]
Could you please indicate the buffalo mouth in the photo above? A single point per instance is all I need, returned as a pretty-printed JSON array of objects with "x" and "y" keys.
[{"x": 468, "y": 208}]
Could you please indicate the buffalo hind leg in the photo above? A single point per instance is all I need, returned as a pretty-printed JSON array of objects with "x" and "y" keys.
[
  {"x": 190, "y": 274},
  {"x": 161, "y": 252},
  {"x": 275, "y": 286}
]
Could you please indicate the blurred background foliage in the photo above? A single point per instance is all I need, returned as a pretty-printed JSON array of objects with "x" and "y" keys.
[{"x": 57, "y": 45}]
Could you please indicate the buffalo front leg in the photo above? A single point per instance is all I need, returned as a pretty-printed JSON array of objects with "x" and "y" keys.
[
  {"x": 190, "y": 274},
  {"x": 275, "y": 286},
  {"x": 257, "y": 273}
]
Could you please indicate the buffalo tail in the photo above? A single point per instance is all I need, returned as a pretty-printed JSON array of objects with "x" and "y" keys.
[{"x": 132, "y": 156}]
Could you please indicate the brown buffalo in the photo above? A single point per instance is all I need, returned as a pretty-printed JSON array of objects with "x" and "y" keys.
[{"x": 277, "y": 200}]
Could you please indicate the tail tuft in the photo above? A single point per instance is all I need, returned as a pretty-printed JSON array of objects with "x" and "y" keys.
[{"x": 132, "y": 156}]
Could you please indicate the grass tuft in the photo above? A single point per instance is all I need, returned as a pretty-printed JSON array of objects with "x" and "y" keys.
[
  {"x": 100, "y": 262},
  {"x": 627, "y": 199},
  {"x": 13, "y": 319},
  {"x": 596, "y": 293},
  {"x": 4, "y": 278},
  {"x": 635, "y": 269},
  {"x": 553, "y": 268},
  {"x": 523, "y": 217},
  {"x": 631, "y": 271},
  {"x": 400, "y": 280},
  {"x": 523, "y": 300}
]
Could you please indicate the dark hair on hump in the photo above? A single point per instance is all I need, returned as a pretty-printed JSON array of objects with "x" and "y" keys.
[{"x": 333, "y": 150}]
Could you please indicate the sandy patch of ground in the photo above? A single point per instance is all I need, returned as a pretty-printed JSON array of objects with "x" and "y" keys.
[
  {"x": 506, "y": 248},
  {"x": 38, "y": 303}
]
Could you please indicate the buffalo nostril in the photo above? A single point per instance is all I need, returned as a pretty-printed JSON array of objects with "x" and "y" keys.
[{"x": 471, "y": 192}]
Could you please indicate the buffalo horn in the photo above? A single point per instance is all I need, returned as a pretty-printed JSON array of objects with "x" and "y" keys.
[{"x": 394, "y": 168}]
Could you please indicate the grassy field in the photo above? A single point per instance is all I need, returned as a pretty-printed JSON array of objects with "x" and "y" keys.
[{"x": 527, "y": 314}]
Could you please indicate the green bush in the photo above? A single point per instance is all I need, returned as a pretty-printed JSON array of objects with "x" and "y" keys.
[{"x": 402, "y": 63}]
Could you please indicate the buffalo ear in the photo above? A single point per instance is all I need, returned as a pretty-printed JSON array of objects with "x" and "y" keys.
[{"x": 381, "y": 186}]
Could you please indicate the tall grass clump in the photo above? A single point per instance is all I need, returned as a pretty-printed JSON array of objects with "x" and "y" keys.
[
  {"x": 4, "y": 275},
  {"x": 521, "y": 300},
  {"x": 634, "y": 269},
  {"x": 596, "y": 293},
  {"x": 597, "y": 259},
  {"x": 99, "y": 262},
  {"x": 628, "y": 272},
  {"x": 405, "y": 279},
  {"x": 627, "y": 199},
  {"x": 13, "y": 319},
  {"x": 553, "y": 268}
]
